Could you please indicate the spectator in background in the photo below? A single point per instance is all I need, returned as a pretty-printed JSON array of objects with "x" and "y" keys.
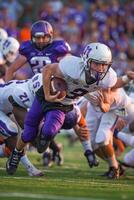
[
  {"x": 25, "y": 31},
  {"x": 120, "y": 64},
  {"x": 113, "y": 25},
  {"x": 14, "y": 9}
]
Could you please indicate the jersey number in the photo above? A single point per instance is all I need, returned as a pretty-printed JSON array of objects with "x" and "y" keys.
[
  {"x": 38, "y": 62},
  {"x": 76, "y": 93}
]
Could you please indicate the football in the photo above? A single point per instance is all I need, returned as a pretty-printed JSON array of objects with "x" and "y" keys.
[{"x": 58, "y": 84}]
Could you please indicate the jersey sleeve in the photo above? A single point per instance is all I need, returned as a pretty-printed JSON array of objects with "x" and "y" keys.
[{"x": 24, "y": 48}]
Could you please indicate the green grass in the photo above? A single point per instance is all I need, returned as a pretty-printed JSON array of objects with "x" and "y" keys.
[{"x": 72, "y": 181}]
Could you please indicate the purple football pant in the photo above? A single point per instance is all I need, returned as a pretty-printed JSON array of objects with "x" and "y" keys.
[{"x": 54, "y": 120}]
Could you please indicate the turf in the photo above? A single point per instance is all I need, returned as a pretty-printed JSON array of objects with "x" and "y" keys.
[{"x": 72, "y": 181}]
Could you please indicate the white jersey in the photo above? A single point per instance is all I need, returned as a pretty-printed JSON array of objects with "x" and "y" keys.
[
  {"x": 22, "y": 91},
  {"x": 75, "y": 78}
]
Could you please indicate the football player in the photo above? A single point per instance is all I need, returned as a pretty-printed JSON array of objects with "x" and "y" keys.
[
  {"x": 8, "y": 127},
  {"x": 18, "y": 96},
  {"x": 3, "y": 36},
  {"x": 42, "y": 49},
  {"x": 9, "y": 51}
]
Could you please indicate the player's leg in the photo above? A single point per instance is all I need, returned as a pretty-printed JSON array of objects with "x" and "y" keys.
[
  {"x": 129, "y": 158},
  {"x": 103, "y": 140},
  {"x": 53, "y": 121},
  {"x": 32, "y": 121}
]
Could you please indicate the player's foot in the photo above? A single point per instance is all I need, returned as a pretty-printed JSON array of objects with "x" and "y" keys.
[
  {"x": 91, "y": 158},
  {"x": 58, "y": 158},
  {"x": 41, "y": 144},
  {"x": 13, "y": 162},
  {"x": 33, "y": 171},
  {"x": 47, "y": 159},
  {"x": 113, "y": 173},
  {"x": 121, "y": 170}
]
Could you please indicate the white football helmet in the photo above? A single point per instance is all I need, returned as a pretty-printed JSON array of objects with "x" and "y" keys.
[
  {"x": 3, "y": 36},
  {"x": 10, "y": 49},
  {"x": 99, "y": 53}
]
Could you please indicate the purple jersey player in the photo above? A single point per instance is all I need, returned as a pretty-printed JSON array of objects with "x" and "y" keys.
[{"x": 40, "y": 50}]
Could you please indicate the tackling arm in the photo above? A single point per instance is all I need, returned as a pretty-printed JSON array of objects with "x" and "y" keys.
[
  {"x": 19, "y": 62},
  {"x": 121, "y": 81}
]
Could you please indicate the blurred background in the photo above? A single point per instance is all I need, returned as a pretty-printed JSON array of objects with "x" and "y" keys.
[{"x": 78, "y": 22}]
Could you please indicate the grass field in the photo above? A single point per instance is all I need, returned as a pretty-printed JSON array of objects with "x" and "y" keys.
[{"x": 72, "y": 181}]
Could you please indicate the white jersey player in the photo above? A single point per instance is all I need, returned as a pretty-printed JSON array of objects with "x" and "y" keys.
[
  {"x": 3, "y": 37},
  {"x": 126, "y": 134},
  {"x": 24, "y": 92},
  {"x": 9, "y": 52},
  {"x": 101, "y": 124},
  {"x": 76, "y": 80}
]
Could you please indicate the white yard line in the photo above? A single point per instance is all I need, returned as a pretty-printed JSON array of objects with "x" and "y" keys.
[{"x": 44, "y": 196}]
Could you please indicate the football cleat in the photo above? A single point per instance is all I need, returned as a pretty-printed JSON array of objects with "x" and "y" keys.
[
  {"x": 41, "y": 144},
  {"x": 13, "y": 162},
  {"x": 58, "y": 158},
  {"x": 47, "y": 159},
  {"x": 33, "y": 171},
  {"x": 113, "y": 173},
  {"x": 91, "y": 158},
  {"x": 122, "y": 170}
]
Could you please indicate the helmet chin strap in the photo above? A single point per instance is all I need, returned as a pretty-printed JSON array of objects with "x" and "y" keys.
[
  {"x": 97, "y": 76},
  {"x": 89, "y": 79}
]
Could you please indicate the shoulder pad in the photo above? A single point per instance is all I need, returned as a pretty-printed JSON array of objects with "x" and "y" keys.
[
  {"x": 24, "y": 45},
  {"x": 62, "y": 46}
]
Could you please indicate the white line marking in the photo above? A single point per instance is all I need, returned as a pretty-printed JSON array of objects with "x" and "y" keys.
[{"x": 44, "y": 196}]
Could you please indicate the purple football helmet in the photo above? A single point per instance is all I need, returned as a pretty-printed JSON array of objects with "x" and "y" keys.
[{"x": 42, "y": 29}]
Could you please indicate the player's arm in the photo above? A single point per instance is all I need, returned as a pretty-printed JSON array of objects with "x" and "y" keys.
[
  {"x": 49, "y": 71},
  {"x": 81, "y": 129},
  {"x": 19, "y": 62},
  {"x": 123, "y": 80}
]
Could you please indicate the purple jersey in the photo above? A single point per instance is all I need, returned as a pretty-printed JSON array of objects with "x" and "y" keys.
[{"x": 50, "y": 54}]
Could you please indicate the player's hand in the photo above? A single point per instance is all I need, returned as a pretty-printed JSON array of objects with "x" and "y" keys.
[
  {"x": 105, "y": 101},
  {"x": 94, "y": 100},
  {"x": 54, "y": 98},
  {"x": 130, "y": 75},
  {"x": 83, "y": 133}
]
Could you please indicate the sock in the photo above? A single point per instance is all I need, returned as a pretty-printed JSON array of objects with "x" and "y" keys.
[
  {"x": 86, "y": 145},
  {"x": 112, "y": 161},
  {"x": 26, "y": 162}
]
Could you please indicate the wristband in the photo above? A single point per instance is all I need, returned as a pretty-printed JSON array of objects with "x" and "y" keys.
[{"x": 125, "y": 79}]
